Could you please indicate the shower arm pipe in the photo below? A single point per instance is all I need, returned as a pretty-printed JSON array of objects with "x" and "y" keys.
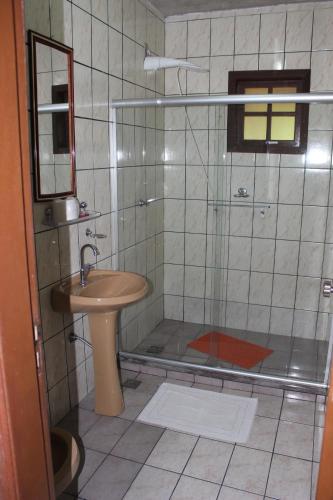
[{"x": 210, "y": 100}]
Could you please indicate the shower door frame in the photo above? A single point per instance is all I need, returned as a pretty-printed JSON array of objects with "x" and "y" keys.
[{"x": 208, "y": 100}]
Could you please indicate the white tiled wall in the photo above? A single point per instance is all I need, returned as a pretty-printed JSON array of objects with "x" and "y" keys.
[
  {"x": 272, "y": 265},
  {"x": 108, "y": 38}
]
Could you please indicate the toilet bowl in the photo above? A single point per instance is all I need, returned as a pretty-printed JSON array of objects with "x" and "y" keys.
[{"x": 65, "y": 458}]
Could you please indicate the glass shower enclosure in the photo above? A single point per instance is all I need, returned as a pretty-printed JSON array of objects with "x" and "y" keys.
[{"x": 237, "y": 246}]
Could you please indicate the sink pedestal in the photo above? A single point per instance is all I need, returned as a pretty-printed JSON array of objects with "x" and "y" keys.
[{"x": 103, "y": 330}]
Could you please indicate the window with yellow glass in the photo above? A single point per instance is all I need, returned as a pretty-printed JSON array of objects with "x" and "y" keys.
[{"x": 258, "y": 127}]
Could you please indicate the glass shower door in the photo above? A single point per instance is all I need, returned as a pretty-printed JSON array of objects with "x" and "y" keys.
[{"x": 272, "y": 249}]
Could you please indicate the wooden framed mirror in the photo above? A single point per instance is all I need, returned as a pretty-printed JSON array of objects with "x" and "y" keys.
[{"x": 52, "y": 118}]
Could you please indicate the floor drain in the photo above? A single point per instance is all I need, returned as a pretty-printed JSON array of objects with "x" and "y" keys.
[
  {"x": 155, "y": 349},
  {"x": 131, "y": 383}
]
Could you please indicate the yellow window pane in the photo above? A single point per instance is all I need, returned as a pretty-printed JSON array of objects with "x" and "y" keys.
[
  {"x": 257, "y": 106},
  {"x": 284, "y": 106},
  {"x": 255, "y": 128},
  {"x": 283, "y": 128}
]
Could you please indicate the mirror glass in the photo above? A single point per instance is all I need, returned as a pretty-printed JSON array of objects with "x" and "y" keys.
[{"x": 51, "y": 66}]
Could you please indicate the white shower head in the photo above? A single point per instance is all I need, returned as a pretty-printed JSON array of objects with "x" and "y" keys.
[{"x": 152, "y": 63}]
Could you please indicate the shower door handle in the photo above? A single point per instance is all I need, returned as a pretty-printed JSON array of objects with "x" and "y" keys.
[{"x": 327, "y": 288}]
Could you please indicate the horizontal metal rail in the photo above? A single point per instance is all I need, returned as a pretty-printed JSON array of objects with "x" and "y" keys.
[
  {"x": 53, "y": 108},
  {"x": 209, "y": 100},
  {"x": 226, "y": 371},
  {"x": 232, "y": 204}
]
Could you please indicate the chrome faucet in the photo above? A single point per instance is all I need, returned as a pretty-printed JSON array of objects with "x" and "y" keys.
[{"x": 85, "y": 268}]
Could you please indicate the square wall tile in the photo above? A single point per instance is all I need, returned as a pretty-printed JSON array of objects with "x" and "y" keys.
[
  {"x": 258, "y": 320},
  {"x": 305, "y": 324},
  {"x": 173, "y": 248},
  {"x": 247, "y": 34},
  {"x": 222, "y": 36},
  {"x": 81, "y": 36},
  {"x": 99, "y": 45},
  {"x": 298, "y": 34},
  {"x": 321, "y": 70},
  {"x": 59, "y": 402},
  {"x": 176, "y": 39},
  {"x": 289, "y": 222},
  {"x": 262, "y": 257},
  {"x": 173, "y": 279},
  {"x": 198, "y": 82},
  {"x": 316, "y": 187},
  {"x": 115, "y": 53},
  {"x": 322, "y": 22},
  {"x": 260, "y": 288},
  {"x": 219, "y": 68},
  {"x": 82, "y": 91},
  {"x": 194, "y": 281},
  {"x": 236, "y": 315},
  {"x": 307, "y": 294},
  {"x": 311, "y": 259},
  {"x": 291, "y": 186},
  {"x": 55, "y": 358},
  {"x": 195, "y": 249},
  {"x": 239, "y": 253},
  {"x": 281, "y": 321},
  {"x": 194, "y": 310},
  {"x": 313, "y": 224},
  {"x": 272, "y": 32},
  {"x": 238, "y": 286},
  {"x": 284, "y": 289},
  {"x": 48, "y": 258},
  {"x": 198, "y": 38},
  {"x": 286, "y": 257}
]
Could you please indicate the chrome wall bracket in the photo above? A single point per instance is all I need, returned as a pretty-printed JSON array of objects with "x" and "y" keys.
[{"x": 327, "y": 288}]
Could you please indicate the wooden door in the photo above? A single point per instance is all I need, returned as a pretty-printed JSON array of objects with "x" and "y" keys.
[
  {"x": 325, "y": 479},
  {"x": 25, "y": 461}
]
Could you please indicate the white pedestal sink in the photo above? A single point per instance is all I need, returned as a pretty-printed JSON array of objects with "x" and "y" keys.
[{"x": 102, "y": 298}]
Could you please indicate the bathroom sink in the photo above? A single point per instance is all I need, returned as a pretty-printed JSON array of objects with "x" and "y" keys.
[
  {"x": 105, "y": 291},
  {"x": 102, "y": 297}
]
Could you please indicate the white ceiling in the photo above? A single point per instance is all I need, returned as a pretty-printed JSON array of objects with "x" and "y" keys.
[{"x": 176, "y": 7}]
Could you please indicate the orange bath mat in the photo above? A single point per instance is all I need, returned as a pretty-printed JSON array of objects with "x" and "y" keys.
[{"x": 235, "y": 351}]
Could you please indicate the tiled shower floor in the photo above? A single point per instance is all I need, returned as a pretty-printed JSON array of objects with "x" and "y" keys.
[
  {"x": 125, "y": 459},
  {"x": 293, "y": 357}
]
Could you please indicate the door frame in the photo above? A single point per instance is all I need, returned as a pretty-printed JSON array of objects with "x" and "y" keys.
[
  {"x": 325, "y": 477},
  {"x": 25, "y": 453}
]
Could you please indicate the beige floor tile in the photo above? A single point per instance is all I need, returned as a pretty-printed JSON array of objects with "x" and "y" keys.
[
  {"x": 289, "y": 479},
  {"x": 172, "y": 451},
  {"x": 189, "y": 488},
  {"x": 209, "y": 460},
  {"x": 295, "y": 440},
  {"x": 248, "y": 470},
  {"x": 152, "y": 484}
]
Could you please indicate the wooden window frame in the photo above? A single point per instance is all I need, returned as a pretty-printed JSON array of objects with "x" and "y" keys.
[{"x": 238, "y": 81}]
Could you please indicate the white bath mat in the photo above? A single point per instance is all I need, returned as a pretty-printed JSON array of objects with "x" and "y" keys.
[{"x": 204, "y": 413}]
